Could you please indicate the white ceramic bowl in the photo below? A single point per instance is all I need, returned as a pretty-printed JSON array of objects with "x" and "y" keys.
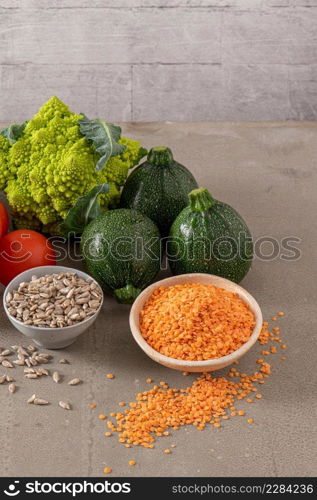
[
  {"x": 195, "y": 366},
  {"x": 50, "y": 338}
]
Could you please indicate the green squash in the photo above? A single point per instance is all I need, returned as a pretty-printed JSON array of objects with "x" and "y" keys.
[
  {"x": 122, "y": 250},
  {"x": 159, "y": 188},
  {"x": 209, "y": 236}
]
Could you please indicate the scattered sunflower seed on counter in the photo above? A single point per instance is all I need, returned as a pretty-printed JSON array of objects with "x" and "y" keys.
[
  {"x": 31, "y": 359},
  {"x": 64, "y": 405},
  {"x": 56, "y": 377},
  {"x": 74, "y": 381},
  {"x": 54, "y": 301}
]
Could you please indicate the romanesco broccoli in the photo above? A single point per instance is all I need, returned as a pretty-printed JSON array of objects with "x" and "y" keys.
[{"x": 52, "y": 164}]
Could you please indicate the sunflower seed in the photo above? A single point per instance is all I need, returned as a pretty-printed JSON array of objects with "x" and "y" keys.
[
  {"x": 26, "y": 315},
  {"x": 9, "y": 378},
  {"x": 31, "y": 348},
  {"x": 31, "y": 399},
  {"x": 29, "y": 370},
  {"x": 12, "y": 388},
  {"x": 22, "y": 351},
  {"x": 2, "y": 379},
  {"x": 74, "y": 381},
  {"x": 83, "y": 300},
  {"x": 74, "y": 316},
  {"x": 18, "y": 362},
  {"x": 64, "y": 405},
  {"x": 6, "y": 352},
  {"x": 39, "y": 401},
  {"x": 72, "y": 311},
  {"x": 42, "y": 371},
  {"x": 44, "y": 355},
  {"x": 7, "y": 364},
  {"x": 40, "y": 359},
  {"x": 56, "y": 377},
  {"x": 30, "y": 375},
  {"x": 94, "y": 304},
  {"x": 64, "y": 361},
  {"x": 70, "y": 293}
]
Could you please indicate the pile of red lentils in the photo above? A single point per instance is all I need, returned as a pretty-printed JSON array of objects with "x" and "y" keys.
[
  {"x": 195, "y": 322},
  {"x": 209, "y": 400}
]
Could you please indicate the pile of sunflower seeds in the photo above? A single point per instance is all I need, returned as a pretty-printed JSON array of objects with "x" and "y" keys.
[
  {"x": 54, "y": 300},
  {"x": 32, "y": 362}
]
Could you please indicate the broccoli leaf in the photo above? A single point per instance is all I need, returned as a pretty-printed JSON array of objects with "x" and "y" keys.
[
  {"x": 86, "y": 209},
  {"x": 104, "y": 136},
  {"x": 13, "y": 132}
]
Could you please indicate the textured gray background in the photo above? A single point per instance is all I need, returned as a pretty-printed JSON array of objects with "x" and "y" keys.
[{"x": 145, "y": 60}]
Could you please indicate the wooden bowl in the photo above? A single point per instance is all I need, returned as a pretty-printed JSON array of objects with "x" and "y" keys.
[{"x": 195, "y": 366}]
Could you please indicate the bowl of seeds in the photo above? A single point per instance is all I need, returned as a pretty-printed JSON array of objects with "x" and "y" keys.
[{"x": 52, "y": 305}]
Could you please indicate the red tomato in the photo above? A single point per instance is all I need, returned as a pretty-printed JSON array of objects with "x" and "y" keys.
[
  {"x": 4, "y": 220},
  {"x": 21, "y": 250}
]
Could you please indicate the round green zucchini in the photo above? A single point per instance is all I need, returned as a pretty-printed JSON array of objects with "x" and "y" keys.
[
  {"x": 159, "y": 188},
  {"x": 209, "y": 236},
  {"x": 122, "y": 250}
]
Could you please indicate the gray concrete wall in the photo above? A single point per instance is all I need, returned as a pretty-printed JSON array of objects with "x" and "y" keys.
[{"x": 161, "y": 59}]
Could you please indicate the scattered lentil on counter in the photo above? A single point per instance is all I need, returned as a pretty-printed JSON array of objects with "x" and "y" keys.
[{"x": 207, "y": 401}]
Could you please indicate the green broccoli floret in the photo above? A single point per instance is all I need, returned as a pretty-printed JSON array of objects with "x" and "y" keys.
[{"x": 52, "y": 164}]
